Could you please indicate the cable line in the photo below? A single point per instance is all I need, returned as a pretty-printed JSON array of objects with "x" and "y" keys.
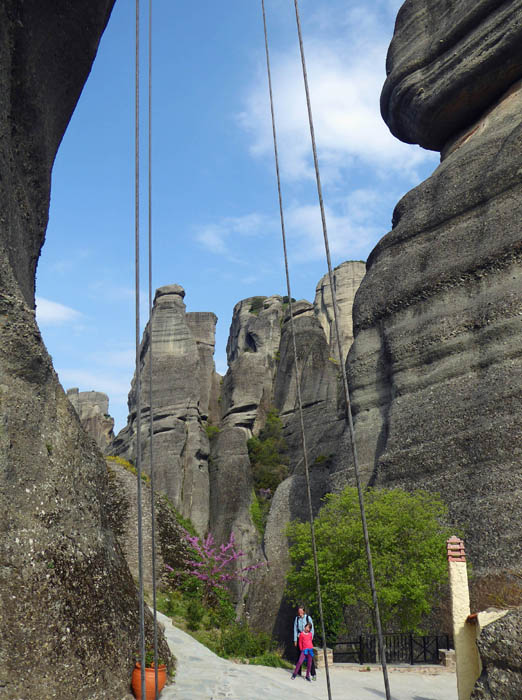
[
  {"x": 296, "y": 364},
  {"x": 151, "y": 412},
  {"x": 137, "y": 321},
  {"x": 346, "y": 391}
]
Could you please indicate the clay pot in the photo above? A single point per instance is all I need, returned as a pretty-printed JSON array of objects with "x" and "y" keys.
[{"x": 150, "y": 682}]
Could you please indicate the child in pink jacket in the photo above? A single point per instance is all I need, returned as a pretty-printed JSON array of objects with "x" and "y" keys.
[{"x": 307, "y": 650}]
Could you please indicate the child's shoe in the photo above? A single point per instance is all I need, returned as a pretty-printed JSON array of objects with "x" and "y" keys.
[
  {"x": 308, "y": 679},
  {"x": 293, "y": 676}
]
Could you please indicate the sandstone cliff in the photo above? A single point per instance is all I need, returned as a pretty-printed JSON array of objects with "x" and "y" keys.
[
  {"x": 436, "y": 365},
  {"x": 347, "y": 278},
  {"x": 92, "y": 408},
  {"x": 183, "y": 392},
  {"x": 68, "y": 604}
]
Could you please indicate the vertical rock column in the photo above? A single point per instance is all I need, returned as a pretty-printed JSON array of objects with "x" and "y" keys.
[
  {"x": 347, "y": 278},
  {"x": 182, "y": 377},
  {"x": 92, "y": 408}
]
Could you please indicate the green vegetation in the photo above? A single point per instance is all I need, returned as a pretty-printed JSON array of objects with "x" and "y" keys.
[
  {"x": 256, "y": 305},
  {"x": 267, "y": 453},
  {"x": 129, "y": 466},
  {"x": 214, "y": 624},
  {"x": 259, "y": 509},
  {"x": 186, "y": 523},
  {"x": 212, "y": 431},
  {"x": 408, "y": 540},
  {"x": 286, "y": 303}
]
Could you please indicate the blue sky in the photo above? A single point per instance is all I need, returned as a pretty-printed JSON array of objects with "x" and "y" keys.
[{"x": 215, "y": 211}]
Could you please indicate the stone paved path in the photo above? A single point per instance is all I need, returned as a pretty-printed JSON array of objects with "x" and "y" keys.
[{"x": 201, "y": 675}]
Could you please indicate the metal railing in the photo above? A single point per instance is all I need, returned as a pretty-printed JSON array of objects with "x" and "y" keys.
[{"x": 400, "y": 648}]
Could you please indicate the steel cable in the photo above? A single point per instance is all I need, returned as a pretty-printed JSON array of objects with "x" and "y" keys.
[
  {"x": 137, "y": 321},
  {"x": 296, "y": 363},
  {"x": 151, "y": 407},
  {"x": 346, "y": 391}
]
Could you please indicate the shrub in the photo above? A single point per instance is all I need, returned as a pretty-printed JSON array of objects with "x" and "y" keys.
[
  {"x": 267, "y": 453},
  {"x": 256, "y": 305},
  {"x": 212, "y": 431},
  {"x": 240, "y": 640},
  {"x": 259, "y": 509},
  {"x": 195, "y": 613}
]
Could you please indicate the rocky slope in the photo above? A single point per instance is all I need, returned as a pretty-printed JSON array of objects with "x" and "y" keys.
[
  {"x": 68, "y": 604},
  {"x": 436, "y": 365},
  {"x": 92, "y": 408}
]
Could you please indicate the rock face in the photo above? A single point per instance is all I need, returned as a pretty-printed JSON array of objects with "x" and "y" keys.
[
  {"x": 347, "y": 278},
  {"x": 500, "y": 648},
  {"x": 436, "y": 365},
  {"x": 92, "y": 408},
  {"x": 68, "y": 605},
  {"x": 170, "y": 543},
  {"x": 183, "y": 391},
  {"x": 447, "y": 64}
]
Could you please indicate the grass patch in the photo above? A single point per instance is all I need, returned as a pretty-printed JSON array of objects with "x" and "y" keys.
[{"x": 129, "y": 466}]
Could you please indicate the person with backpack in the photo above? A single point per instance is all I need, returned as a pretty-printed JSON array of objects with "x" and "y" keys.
[{"x": 301, "y": 620}]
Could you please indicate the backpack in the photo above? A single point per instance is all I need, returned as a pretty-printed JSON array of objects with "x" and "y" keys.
[{"x": 308, "y": 620}]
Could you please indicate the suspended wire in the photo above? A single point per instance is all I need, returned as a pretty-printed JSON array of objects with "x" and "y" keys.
[
  {"x": 138, "y": 369},
  {"x": 296, "y": 363},
  {"x": 346, "y": 391},
  {"x": 151, "y": 408}
]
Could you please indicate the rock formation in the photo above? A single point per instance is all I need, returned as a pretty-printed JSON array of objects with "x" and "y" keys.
[
  {"x": 68, "y": 605},
  {"x": 92, "y": 408},
  {"x": 436, "y": 365},
  {"x": 184, "y": 388},
  {"x": 213, "y": 483},
  {"x": 170, "y": 543},
  {"x": 500, "y": 648},
  {"x": 347, "y": 278}
]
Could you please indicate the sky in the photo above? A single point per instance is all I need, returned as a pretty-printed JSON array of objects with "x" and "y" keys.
[{"x": 215, "y": 212}]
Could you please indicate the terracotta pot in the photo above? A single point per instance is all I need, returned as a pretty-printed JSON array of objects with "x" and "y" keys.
[{"x": 150, "y": 682}]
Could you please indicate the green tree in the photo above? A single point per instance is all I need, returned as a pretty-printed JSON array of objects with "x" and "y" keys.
[{"x": 407, "y": 537}]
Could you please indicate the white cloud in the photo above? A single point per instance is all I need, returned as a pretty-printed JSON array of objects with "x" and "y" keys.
[
  {"x": 350, "y": 234},
  {"x": 216, "y": 237},
  {"x": 52, "y": 313},
  {"x": 346, "y": 77},
  {"x": 117, "y": 389},
  {"x": 123, "y": 359}
]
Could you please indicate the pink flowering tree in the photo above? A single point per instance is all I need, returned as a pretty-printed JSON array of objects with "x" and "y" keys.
[{"x": 215, "y": 565}]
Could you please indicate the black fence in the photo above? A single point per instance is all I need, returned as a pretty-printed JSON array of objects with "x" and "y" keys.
[{"x": 400, "y": 649}]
